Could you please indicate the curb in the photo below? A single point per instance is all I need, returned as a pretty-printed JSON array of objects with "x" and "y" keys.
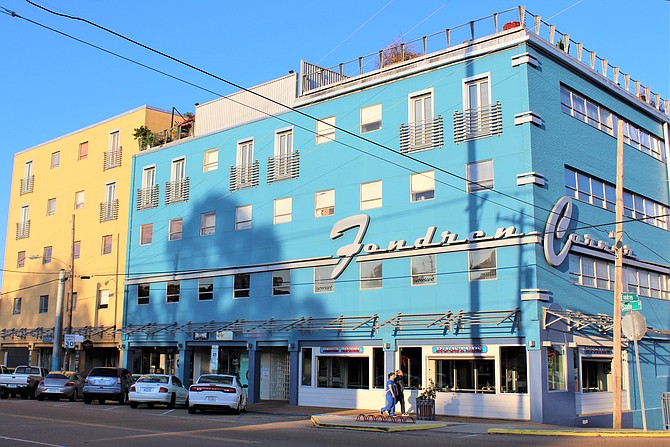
[
  {"x": 344, "y": 425},
  {"x": 598, "y": 434}
]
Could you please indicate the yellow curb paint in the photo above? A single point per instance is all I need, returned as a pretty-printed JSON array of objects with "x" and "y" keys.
[{"x": 601, "y": 434}]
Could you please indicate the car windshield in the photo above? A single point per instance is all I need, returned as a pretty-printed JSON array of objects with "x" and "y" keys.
[
  {"x": 58, "y": 376},
  {"x": 104, "y": 372},
  {"x": 223, "y": 380},
  {"x": 152, "y": 379}
]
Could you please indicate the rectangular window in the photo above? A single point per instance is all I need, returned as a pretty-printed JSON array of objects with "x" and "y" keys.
[
  {"x": 596, "y": 375},
  {"x": 149, "y": 177},
  {"x": 17, "y": 306},
  {"x": 107, "y": 244},
  {"x": 114, "y": 141},
  {"x": 146, "y": 234},
  {"x": 343, "y": 372},
  {"x": 284, "y": 143},
  {"x": 323, "y": 282},
  {"x": 325, "y": 130},
  {"x": 178, "y": 171},
  {"x": 21, "y": 259},
  {"x": 281, "y": 282},
  {"x": 422, "y": 186},
  {"x": 412, "y": 367},
  {"x": 104, "y": 299},
  {"x": 241, "y": 285},
  {"x": 482, "y": 264},
  {"x": 476, "y": 93},
  {"x": 55, "y": 160},
  {"x": 51, "y": 206},
  {"x": 464, "y": 375},
  {"x": 78, "y": 200},
  {"x": 44, "y": 304},
  {"x": 143, "y": 291},
  {"x": 371, "y": 118},
  {"x": 245, "y": 153},
  {"x": 556, "y": 368},
  {"x": 205, "y": 289},
  {"x": 172, "y": 292},
  {"x": 73, "y": 303},
  {"x": 423, "y": 270},
  {"x": 324, "y": 203},
  {"x": 175, "y": 229},
  {"x": 283, "y": 210},
  {"x": 207, "y": 223},
  {"x": 211, "y": 161},
  {"x": 513, "y": 371},
  {"x": 83, "y": 150},
  {"x": 243, "y": 217},
  {"x": 371, "y": 195},
  {"x": 479, "y": 175},
  {"x": 76, "y": 250},
  {"x": 371, "y": 274},
  {"x": 46, "y": 255},
  {"x": 306, "y": 366}
]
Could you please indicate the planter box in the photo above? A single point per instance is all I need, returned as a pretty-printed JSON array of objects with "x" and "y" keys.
[{"x": 425, "y": 409}]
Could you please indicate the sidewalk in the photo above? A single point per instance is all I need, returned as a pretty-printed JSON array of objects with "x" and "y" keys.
[{"x": 345, "y": 419}]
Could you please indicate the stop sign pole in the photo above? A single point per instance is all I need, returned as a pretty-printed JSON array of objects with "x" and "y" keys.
[{"x": 634, "y": 327}]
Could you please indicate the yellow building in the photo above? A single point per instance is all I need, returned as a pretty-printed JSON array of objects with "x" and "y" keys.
[{"x": 68, "y": 210}]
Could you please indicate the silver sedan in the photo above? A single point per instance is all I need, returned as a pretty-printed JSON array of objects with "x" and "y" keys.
[{"x": 59, "y": 384}]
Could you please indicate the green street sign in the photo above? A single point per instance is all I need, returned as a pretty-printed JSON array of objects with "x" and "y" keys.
[
  {"x": 628, "y": 306},
  {"x": 627, "y": 296}
]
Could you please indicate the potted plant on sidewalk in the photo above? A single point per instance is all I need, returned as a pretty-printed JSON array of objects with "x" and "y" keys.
[{"x": 425, "y": 403}]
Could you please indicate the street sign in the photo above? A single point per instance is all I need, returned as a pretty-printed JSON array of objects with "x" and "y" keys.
[
  {"x": 630, "y": 302},
  {"x": 70, "y": 341},
  {"x": 634, "y": 325}
]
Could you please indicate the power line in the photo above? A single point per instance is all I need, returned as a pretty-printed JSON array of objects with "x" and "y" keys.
[{"x": 30, "y": 287}]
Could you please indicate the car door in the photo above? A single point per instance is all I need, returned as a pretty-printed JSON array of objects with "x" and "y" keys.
[{"x": 181, "y": 392}]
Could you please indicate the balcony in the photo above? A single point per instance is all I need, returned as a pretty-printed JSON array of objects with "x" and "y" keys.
[
  {"x": 477, "y": 123},
  {"x": 177, "y": 191},
  {"x": 112, "y": 158},
  {"x": 26, "y": 185},
  {"x": 23, "y": 230},
  {"x": 147, "y": 198},
  {"x": 243, "y": 176},
  {"x": 421, "y": 136},
  {"x": 109, "y": 210},
  {"x": 182, "y": 130},
  {"x": 284, "y": 167}
]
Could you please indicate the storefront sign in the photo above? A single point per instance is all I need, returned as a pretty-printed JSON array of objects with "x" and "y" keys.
[
  {"x": 224, "y": 335},
  {"x": 446, "y": 238},
  {"x": 474, "y": 349},
  {"x": 87, "y": 344},
  {"x": 201, "y": 335},
  {"x": 342, "y": 350},
  {"x": 596, "y": 350},
  {"x": 558, "y": 222}
]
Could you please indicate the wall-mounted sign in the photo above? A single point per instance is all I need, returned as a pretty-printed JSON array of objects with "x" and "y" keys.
[
  {"x": 214, "y": 359},
  {"x": 201, "y": 335},
  {"x": 341, "y": 350},
  {"x": 87, "y": 344},
  {"x": 474, "y": 349},
  {"x": 596, "y": 350},
  {"x": 224, "y": 335}
]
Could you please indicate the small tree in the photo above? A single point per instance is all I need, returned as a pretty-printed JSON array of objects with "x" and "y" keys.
[
  {"x": 429, "y": 392},
  {"x": 145, "y": 137},
  {"x": 397, "y": 52}
]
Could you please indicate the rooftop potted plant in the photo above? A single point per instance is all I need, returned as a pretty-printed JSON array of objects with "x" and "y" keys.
[{"x": 145, "y": 137}]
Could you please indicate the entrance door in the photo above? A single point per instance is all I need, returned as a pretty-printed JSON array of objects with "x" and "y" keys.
[{"x": 275, "y": 374}]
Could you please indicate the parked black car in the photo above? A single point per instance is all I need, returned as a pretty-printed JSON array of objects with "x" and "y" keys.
[{"x": 105, "y": 383}]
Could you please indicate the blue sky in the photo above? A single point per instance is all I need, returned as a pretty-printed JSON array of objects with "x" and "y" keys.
[{"x": 52, "y": 85}]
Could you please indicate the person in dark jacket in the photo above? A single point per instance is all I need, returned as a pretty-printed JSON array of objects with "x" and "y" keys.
[{"x": 400, "y": 390}]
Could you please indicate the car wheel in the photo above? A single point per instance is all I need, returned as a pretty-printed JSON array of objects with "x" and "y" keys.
[
  {"x": 25, "y": 395},
  {"x": 185, "y": 403},
  {"x": 173, "y": 401},
  {"x": 191, "y": 410},
  {"x": 4, "y": 394},
  {"x": 101, "y": 401},
  {"x": 237, "y": 410},
  {"x": 87, "y": 400},
  {"x": 133, "y": 404},
  {"x": 244, "y": 408},
  {"x": 123, "y": 397},
  {"x": 74, "y": 396},
  {"x": 40, "y": 397}
]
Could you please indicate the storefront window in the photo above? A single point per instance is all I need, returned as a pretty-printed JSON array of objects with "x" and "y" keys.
[
  {"x": 596, "y": 375},
  {"x": 307, "y": 366},
  {"x": 378, "y": 366},
  {"x": 411, "y": 366},
  {"x": 555, "y": 368},
  {"x": 464, "y": 376},
  {"x": 343, "y": 372},
  {"x": 513, "y": 374}
]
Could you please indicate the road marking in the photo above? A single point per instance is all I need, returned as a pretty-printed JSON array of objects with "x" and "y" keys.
[
  {"x": 112, "y": 408},
  {"x": 470, "y": 436},
  {"x": 28, "y": 441},
  {"x": 167, "y": 412}
]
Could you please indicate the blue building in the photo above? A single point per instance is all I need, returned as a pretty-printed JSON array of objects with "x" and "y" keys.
[{"x": 441, "y": 207}]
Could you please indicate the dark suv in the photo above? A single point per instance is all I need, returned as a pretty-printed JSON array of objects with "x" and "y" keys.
[{"x": 107, "y": 383}]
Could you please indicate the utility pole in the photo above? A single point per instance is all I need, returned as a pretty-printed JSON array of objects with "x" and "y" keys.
[
  {"x": 70, "y": 301},
  {"x": 58, "y": 324},
  {"x": 618, "y": 282}
]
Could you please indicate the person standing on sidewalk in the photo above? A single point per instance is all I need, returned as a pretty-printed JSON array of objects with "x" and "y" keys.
[
  {"x": 400, "y": 390},
  {"x": 390, "y": 395}
]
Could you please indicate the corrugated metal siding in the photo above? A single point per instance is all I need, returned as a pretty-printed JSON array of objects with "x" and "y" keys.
[{"x": 243, "y": 107}]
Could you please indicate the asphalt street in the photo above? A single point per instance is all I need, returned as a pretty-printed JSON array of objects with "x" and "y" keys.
[{"x": 25, "y": 423}]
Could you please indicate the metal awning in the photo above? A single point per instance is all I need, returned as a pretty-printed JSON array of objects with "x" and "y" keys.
[
  {"x": 579, "y": 321},
  {"x": 454, "y": 322},
  {"x": 40, "y": 333}
]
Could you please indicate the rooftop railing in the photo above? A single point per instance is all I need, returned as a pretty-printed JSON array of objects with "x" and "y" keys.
[{"x": 314, "y": 77}]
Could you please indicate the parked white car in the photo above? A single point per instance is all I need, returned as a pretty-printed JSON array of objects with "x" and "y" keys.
[
  {"x": 161, "y": 389},
  {"x": 217, "y": 392}
]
